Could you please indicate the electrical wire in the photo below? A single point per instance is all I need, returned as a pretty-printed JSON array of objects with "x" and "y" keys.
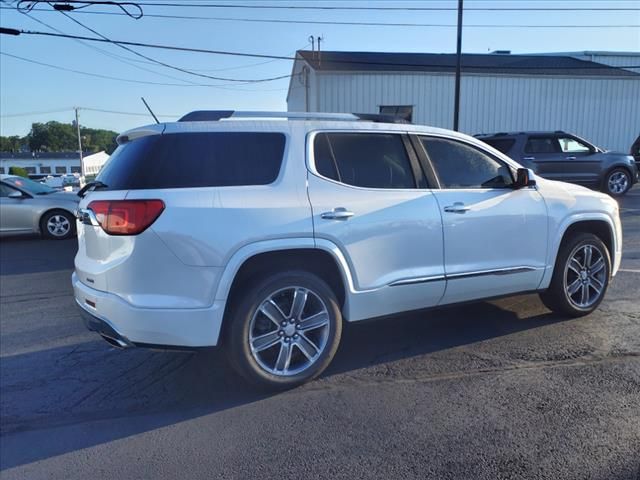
[
  {"x": 283, "y": 57},
  {"x": 26, "y": 6},
  {"x": 352, "y": 23}
]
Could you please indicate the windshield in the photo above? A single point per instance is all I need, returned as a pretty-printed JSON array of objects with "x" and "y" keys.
[{"x": 30, "y": 186}]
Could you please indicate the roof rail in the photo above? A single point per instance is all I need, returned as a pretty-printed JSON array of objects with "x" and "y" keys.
[{"x": 216, "y": 115}]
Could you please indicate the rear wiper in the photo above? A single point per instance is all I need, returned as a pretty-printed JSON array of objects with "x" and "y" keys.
[{"x": 91, "y": 185}]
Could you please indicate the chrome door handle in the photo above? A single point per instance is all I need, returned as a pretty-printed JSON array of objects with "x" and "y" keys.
[
  {"x": 457, "y": 207},
  {"x": 528, "y": 158},
  {"x": 570, "y": 158},
  {"x": 339, "y": 213}
]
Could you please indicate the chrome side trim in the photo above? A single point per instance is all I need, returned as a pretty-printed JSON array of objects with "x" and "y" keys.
[
  {"x": 412, "y": 281},
  {"x": 497, "y": 271},
  {"x": 454, "y": 276}
]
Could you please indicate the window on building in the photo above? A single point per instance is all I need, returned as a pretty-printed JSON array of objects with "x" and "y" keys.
[
  {"x": 541, "y": 145},
  {"x": 2, "y": 170},
  {"x": 45, "y": 170},
  {"x": 61, "y": 169},
  {"x": 370, "y": 160},
  {"x": 30, "y": 170},
  {"x": 459, "y": 165},
  {"x": 571, "y": 145},
  {"x": 76, "y": 169},
  {"x": 404, "y": 112}
]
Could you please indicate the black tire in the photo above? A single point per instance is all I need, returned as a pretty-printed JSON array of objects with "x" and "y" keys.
[
  {"x": 557, "y": 298},
  {"x": 619, "y": 187},
  {"x": 62, "y": 233},
  {"x": 241, "y": 322}
]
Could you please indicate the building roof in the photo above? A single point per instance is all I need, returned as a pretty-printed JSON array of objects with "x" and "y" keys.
[
  {"x": 38, "y": 155},
  {"x": 471, "y": 63}
]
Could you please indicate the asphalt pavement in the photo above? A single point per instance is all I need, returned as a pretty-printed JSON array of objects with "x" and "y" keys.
[{"x": 490, "y": 390}]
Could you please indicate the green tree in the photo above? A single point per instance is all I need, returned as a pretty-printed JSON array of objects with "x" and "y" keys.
[
  {"x": 59, "y": 137},
  {"x": 10, "y": 144},
  {"x": 19, "y": 171}
]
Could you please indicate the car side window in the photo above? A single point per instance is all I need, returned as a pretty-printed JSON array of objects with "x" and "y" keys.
[
  {"x": 369, "y": 160},
  {"x": 459, "y": 165},
  {"x": 541, "y": 145},
  {"x": 5, "y": 190},
  {"x": 571, "y": 145}
]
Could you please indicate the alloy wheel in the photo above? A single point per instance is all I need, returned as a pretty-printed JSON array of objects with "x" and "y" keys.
[
  {"x": 58, "y": 225},
  {"x": 618, "y": 182},
  {"x": 289, "y": 331},
  {"x": 585, "y": 276}
]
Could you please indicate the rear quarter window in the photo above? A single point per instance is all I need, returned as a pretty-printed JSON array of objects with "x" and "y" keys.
[{"x": 199, "y": 159}]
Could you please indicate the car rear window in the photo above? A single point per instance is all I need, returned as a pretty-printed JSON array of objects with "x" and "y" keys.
[
  {"x": 501, "y": 144},
  {"x": 199, "y": 159}
]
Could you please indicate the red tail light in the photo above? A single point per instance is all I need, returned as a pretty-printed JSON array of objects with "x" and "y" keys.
[{"x": 126, "y": 217}]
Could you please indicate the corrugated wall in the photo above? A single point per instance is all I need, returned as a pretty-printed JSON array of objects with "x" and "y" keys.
[{"x": 605, "y": 111}]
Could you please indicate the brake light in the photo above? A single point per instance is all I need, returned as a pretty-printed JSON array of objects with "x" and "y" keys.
[{"x": 126, "y": 217}]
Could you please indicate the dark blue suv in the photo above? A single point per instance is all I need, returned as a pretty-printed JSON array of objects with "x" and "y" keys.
[{"x": 566, "y": 157}]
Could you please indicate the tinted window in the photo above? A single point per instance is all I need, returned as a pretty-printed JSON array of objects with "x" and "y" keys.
[
  {"x": 461, "y": 166},
  {"x": 5, "y": 190},
  {"x": 180, "y": 160},
  {"x": 501, "y": 144},
  {"x": 541, "y": 145},
  {"x": 371, "y": 160}
]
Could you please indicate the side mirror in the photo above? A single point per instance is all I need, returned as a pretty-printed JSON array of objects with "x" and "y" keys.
[
  {"x": 525, "y": 178},
  {"x": 18, "y": 195}
]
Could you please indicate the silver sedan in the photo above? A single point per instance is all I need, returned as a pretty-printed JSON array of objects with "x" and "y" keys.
[{"x": 31, "y": 207}]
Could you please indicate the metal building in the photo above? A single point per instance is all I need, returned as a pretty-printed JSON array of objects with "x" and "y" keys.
[{"x": 499, "y": 92}]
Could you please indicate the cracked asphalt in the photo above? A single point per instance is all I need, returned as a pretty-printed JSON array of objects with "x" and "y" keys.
[{"x": 490, "y": 390}]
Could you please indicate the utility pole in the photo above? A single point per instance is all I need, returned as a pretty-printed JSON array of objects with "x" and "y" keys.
[
  {"x": 79, "y": 145},
  {"x": 456, "y": 107}
]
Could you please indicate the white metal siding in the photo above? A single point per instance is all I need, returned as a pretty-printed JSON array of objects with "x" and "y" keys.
[{"x": 605, "y": 111}]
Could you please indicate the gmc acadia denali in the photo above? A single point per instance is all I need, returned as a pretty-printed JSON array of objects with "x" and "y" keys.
[{"x": 264, "y": 232}]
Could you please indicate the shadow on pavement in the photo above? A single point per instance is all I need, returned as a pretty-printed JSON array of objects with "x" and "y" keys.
[{"x": 92, "y": 381}]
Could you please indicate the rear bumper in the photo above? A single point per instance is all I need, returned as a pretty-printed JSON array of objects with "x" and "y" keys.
[{"x": 125, "y": 325}]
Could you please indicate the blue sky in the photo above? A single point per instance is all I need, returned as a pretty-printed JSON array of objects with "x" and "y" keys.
[{"x": 28, "y": 88}]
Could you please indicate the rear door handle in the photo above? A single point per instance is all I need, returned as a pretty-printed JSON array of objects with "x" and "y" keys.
[
  {"x": 457, "y": 207},
  {"x": 339, "y": 213}
]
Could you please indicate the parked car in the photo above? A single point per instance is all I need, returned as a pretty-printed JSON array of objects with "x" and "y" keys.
[
  {"x": 568, "y": 158},
  {"x": 32, "y": 207},
  {"x": 265, "y": 236},
  {"x": 635, "y": 152}
]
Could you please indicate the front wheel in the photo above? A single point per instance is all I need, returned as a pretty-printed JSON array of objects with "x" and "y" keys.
[
  {"x": 580, "y": 276},
  {"x": 57, "y": 225},
  {"x": 284, "y": 330},
  {"x": 617, "y": 182}
]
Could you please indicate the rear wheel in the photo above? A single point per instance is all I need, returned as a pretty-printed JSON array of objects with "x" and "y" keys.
[
  {"x": 284, "y": 330},
  {"x": 580, "y": 276},
  {"x": 57, "y": 225},
  {"x": 617, "y": 182}
]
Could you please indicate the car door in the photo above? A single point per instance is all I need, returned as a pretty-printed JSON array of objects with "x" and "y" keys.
[
  {"x": 579, "y": 161},
  {"x": 542, "y": 154},
  {"x": 369, "y": 198},
  {"x": 495, "y": 236},
  {"x": 15, "y": 213}
]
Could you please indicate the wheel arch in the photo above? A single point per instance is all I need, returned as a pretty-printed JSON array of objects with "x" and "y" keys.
[
  {"x": 48, "y": 210},
  {"x": 320, "y": 257},
  {"x": 616, "y": 166},
  {"x": 599, "y": 224}
]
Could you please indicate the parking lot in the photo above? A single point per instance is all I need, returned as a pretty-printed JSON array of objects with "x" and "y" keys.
[{"x": 500, "y": 389}]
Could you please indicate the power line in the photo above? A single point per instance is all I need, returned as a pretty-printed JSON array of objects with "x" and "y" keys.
[
  {"x": 173, "y": 67},
  {"x": 372, "y": 8},
  {"x": 348, "y": 23},
  {"x": 43, "y": 112},
  {"x": 283, "y": 57}
]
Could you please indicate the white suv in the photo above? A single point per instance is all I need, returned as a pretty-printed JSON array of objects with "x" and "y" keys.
[{"x": 264, "y": 234}]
